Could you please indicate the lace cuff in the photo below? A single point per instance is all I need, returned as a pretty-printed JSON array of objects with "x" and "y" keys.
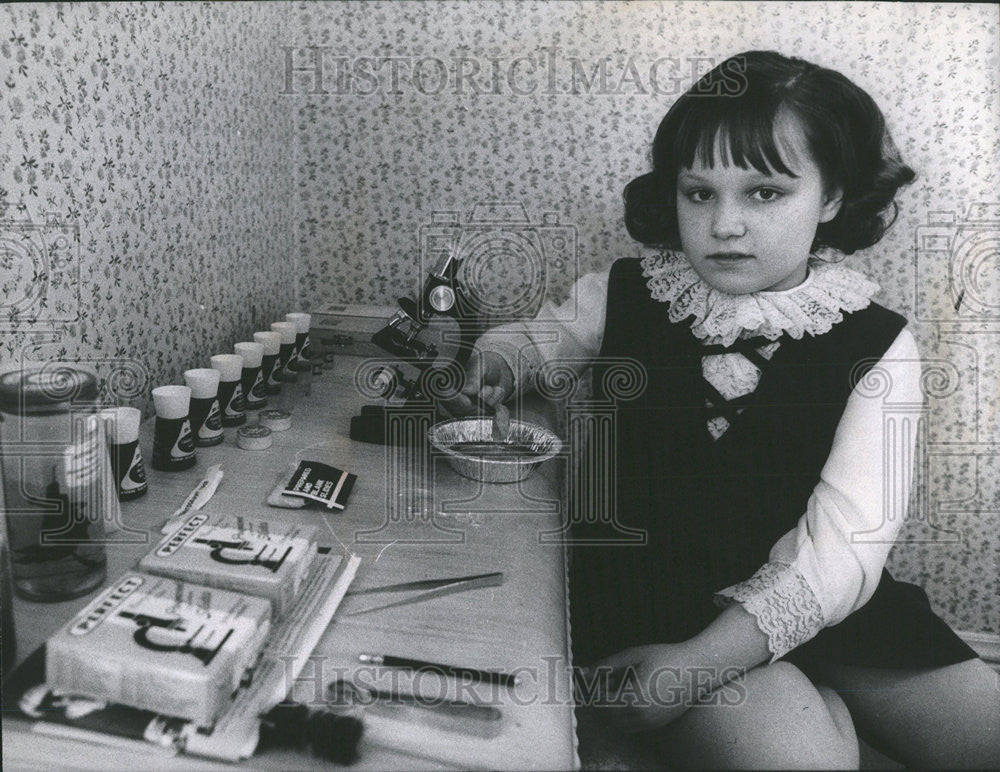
[
  {"x": 520, "y": 354},
  {"x": 785, "y": 607}
]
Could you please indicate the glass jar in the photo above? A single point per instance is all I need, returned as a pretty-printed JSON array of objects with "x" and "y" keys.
[{"x": 57, "y": 481}]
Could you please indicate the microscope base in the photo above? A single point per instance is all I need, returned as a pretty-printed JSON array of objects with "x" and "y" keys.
[{"x": 370, "y": 427}]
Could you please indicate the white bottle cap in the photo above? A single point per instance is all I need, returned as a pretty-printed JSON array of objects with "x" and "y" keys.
[
  {"x": 230, "y": 366},
  {"x": 172, "y": 401},
  {"x": 301, "y": 321},
  {"x": 123, "y": 424},
  {"x": 252, "y": 353},
  {"x": 270, "y": 340},
  {"x": 203, "y": 382},
  {"x": 286, "y": 330}
]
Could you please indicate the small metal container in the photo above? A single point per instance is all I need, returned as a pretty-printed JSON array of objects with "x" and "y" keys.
[{"x": 539, "y": 444}]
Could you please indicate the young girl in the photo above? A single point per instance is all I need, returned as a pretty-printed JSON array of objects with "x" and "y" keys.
[{"x": 752, "y": 465}]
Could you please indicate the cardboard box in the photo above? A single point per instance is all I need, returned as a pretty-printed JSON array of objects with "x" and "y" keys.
[
  {"x": 160, "y": 645},
  {"x": 348, "y": 329},
  {"x": 249, "y": 555}
]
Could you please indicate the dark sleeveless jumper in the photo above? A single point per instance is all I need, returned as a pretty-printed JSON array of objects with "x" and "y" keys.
[{"x": 712, "y": 509}]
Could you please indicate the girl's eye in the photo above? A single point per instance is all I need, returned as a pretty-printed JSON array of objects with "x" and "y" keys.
[
  {"x": 699, "y": 196},
  {"x": 767, "y": 194}
]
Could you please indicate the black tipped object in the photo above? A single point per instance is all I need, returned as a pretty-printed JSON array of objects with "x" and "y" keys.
[{"x": 328, "y": 735}]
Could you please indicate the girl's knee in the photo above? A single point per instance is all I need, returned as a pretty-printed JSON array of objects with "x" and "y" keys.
[
  {"x": 784, "y": 721},
  {"x": 830, "y": 729},
  {"x": 845, "y": 724},
  {"x": 943, "y": 717}
]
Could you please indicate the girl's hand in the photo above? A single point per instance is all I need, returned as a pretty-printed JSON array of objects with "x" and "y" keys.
[
  {"x": 644, "y": 687},
  {"x": 488, "y": 377}
]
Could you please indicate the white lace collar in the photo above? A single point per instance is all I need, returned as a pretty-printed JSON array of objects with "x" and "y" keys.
[{"x": 719, "y": 318}]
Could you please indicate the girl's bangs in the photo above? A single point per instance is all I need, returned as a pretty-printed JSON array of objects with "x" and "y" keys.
[{"x": 745, "y": 132}]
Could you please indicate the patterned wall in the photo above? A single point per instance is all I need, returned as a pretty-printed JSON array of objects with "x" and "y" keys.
[
  {"x": 145, "y": 159},
  {"x": 401, "y": 134},
  {"x": 203, "y": 176}
]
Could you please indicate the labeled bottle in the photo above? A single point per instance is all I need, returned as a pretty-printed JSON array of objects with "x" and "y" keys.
[
  {"x": 252, "y": 380},
  {"x": 206, "y": 415},
  {"x": 230, "y": 367},
  {"x": 300, "y": 363},
  {"x": 173, "y": 442},
  {"x": 286, "y": 354},
  {"x": 271, "y": 341},
  {"x": 122, "y": 425}
]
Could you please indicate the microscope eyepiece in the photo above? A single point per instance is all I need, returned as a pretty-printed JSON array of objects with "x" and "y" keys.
[{"x": 441, "y": 298}]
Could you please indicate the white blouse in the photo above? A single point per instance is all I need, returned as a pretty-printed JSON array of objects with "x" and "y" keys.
[{"x": 830, "y": 564}]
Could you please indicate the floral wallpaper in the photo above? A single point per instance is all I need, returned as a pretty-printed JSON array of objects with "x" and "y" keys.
[
  {"x": 174, "y": 176},
  {"x": 419, "y": 113},
  {"x": 146, "y": 185}
]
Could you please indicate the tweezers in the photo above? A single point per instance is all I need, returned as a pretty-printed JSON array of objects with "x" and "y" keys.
[{"x": 436, "y": 588}]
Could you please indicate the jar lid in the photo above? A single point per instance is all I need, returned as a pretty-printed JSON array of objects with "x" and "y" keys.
[{"x": 46, "y": 387}]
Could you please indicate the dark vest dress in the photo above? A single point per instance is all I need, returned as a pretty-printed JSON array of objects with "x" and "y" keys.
[{"x": 712, "y": 509}]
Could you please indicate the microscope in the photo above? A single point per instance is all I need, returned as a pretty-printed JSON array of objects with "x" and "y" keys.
[
  {"x": 492, "y": 268},
  {"x": 449, "y": 328}
]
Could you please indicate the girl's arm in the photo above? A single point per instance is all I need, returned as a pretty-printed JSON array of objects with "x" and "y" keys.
[
  {"x": 655, "y": 684},
  {"x": 571, "y": 332},
  {"x": 830, "y": 564}
]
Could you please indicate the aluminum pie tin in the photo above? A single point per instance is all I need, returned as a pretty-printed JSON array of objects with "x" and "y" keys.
[{"x": 540, "y": 444}]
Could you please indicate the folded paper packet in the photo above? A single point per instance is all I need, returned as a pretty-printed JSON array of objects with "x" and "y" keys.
[
  {"x": 156, "y": 644},
  {"x": 323, "y": 483},
  {"x": 277, "y": 497},
  {"x": 306, "y": 481},
  {"x": 243, "y": 554}
]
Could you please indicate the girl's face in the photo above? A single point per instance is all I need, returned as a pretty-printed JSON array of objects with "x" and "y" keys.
[{"x": 744, "y": 231}]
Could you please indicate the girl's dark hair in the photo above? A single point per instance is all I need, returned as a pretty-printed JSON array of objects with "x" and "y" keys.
[{"x": 742, "y": 98}]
